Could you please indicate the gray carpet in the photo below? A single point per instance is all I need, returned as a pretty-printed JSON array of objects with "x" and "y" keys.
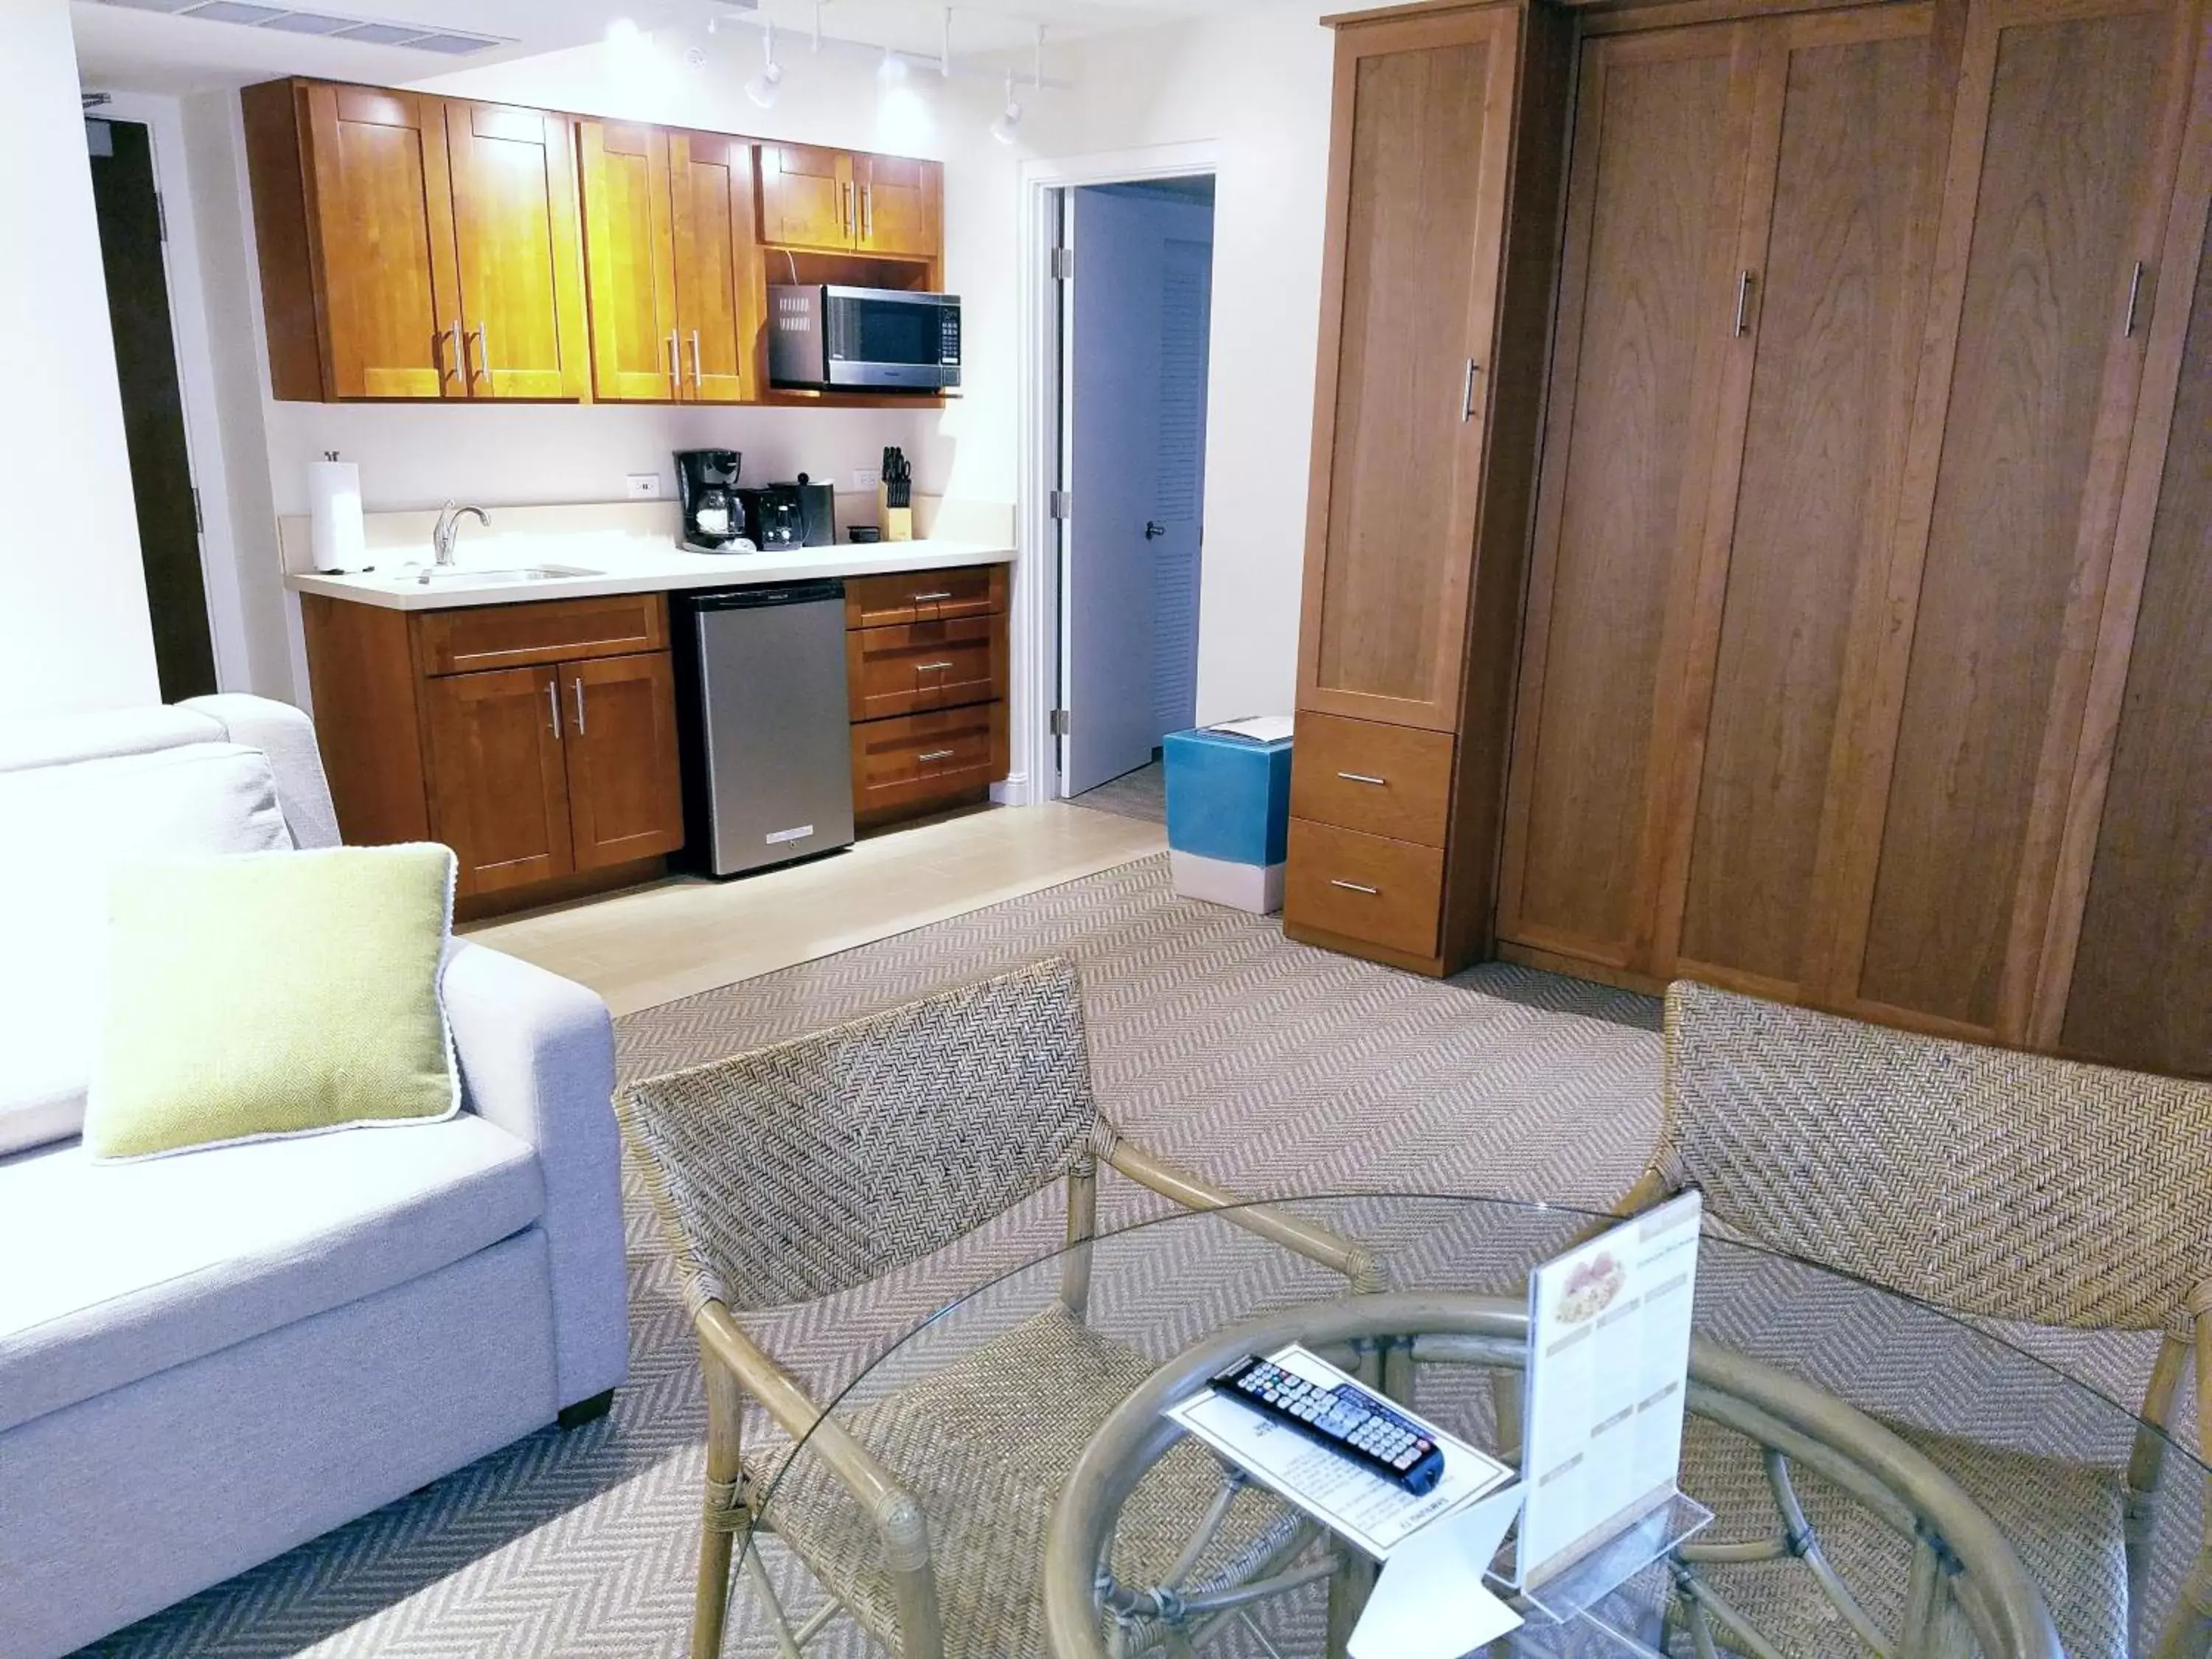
[
  {"x": 1271, "y": 1067},
  {"x": 1142, "y": 793}
]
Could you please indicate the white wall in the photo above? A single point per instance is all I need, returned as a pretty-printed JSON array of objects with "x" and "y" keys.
[{"x": 74, "y": 632}]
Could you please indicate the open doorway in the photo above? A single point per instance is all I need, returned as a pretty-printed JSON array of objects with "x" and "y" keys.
[
  {"x": 1136, "y": 304},
  {"x": 131, "y": 235}
]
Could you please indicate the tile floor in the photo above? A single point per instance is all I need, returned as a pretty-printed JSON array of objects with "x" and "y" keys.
[{"x": 687, "y": 934}]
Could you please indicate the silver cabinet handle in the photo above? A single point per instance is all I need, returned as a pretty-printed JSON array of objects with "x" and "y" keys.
[
  {"x": 578, "y": 684},
  {"x": 1742, "y": 301},
  {"x": 849, "y": 220},
  {"x": 1354, "y": 887},
  {"x": 460, "y": 365},
  {"x": 695, "y": 359},
  {"x": 675, "y": 364},
  {"x": 925, "y": 599},
  {"x": 867, "y": 213},
  {"x": 553, "y": 706},
  {"x": 2135, "y": 298},
  {"x": 1466, "y": 397},
  {"x": 938, "y": 754},
  {"x": 484, "y": 349},
  {"x": 1362, "y": 777}
]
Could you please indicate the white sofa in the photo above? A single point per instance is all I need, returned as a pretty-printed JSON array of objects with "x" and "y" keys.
[{"x": 208, "y": 1359}]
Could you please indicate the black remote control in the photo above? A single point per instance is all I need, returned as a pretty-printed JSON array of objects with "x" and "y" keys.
[{"x": 1346, "y": 1419}]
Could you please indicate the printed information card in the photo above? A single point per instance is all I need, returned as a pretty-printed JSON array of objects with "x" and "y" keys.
[{"x": 1608, "y": 1371}]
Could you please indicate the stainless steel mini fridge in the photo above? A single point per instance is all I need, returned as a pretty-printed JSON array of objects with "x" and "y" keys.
[{"x": 765, "y": 730}]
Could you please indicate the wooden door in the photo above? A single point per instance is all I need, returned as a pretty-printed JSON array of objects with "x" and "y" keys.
[
  {"x": 1646, "y": 310},
  {"x": 629, "y": 251},
  {"x": 1417, "y": 205},
  {"x": 498, "y": 792},
  {"x": 717, "y": 279},
  {"x": 624, "y": 802},
  {"x": 899, "y": 207},
  {"x": 520, "y": 256},
  {"x": 807, "y": 196},
  {"x": 2058, "y": 168},
  {"x": 1816, "y": 390},
  {"x": 2128, "y": 975},
  {"x": 383, "y": 233}
]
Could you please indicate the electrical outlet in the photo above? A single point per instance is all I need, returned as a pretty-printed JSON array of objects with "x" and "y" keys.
[
  {"x": 643, "y": 487},
  {"x": 864, "y": 478}
]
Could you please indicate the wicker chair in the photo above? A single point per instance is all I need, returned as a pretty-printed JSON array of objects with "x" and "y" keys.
[
  {"x": 1994, "y": 1184},
  {"x": 811, "y": 1167}
]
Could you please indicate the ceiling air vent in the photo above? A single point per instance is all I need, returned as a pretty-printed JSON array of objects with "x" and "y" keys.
[{"x": 289, "y": 20}]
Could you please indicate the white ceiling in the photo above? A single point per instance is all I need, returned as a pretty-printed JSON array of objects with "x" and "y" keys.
[{"x": 124, "y": 48}]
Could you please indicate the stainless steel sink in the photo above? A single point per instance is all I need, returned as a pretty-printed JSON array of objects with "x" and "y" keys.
[{"x": 536, "y": 573}]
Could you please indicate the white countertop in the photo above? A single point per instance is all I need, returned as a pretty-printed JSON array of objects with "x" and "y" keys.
[{"x": 620, "y": 563}]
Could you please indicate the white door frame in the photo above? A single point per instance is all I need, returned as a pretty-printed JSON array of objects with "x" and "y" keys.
[
  {"x": 188, "y": 331},
  {"x": 1037, "y": 753}
]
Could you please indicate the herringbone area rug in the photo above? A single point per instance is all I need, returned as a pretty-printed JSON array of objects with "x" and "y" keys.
[{"x": 1272, "y": 1068}]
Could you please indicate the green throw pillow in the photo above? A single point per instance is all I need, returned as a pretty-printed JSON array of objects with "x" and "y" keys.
[{"x": 273, "y": 993}]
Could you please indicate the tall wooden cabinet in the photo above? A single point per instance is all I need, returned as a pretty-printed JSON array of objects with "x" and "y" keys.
[
  {"x": 1443, "y": 197},
  {"x": 414, "y": 247}
]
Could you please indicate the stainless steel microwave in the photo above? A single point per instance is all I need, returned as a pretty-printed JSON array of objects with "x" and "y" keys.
[{"x": 877, "y": 339}]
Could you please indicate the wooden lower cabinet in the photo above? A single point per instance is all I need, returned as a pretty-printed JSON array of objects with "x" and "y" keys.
[
  {"x": 1364, "y": 888},
  {"x": 926, "y": 658},
  {"x": 545, "y": 774}
]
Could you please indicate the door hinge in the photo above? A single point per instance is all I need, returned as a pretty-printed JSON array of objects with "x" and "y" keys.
[
  {"x": 199, "y": 525},
  {"x": 1061, "y": 505},
  {"x": 1058, "y": 722},
  {"x": 1063, "y": 264},
  {"x": 160, "y": 217}
]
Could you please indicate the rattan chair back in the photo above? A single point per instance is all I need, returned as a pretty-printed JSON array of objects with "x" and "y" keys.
[
  {"x": 2010, "y": 1185},
  {"x": 813, "y": 1166}
]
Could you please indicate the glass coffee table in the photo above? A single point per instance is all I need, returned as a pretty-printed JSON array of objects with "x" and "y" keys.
[{"x": 1887, "y": 1479}]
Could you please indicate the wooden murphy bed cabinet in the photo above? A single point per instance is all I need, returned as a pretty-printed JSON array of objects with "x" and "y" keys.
[
  {"x": 537, "y": 741},
  {"x": 414, "y": 247},
  {"x": 1862, "y": 661},
  {"x": 926, "y": 663}
]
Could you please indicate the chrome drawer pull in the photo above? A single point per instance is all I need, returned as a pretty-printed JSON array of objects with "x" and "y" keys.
[
  {"x": 1362, "y": 777},
  {"x": 924, "y": 667},
  {"x": 938, "y": 754},
  {"x": 924, "y": 599},
  {"x": 1354, "y": 887},
  {"x": 553, "y": 702}
]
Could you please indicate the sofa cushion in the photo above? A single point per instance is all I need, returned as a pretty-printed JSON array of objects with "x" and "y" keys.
[
  {"x": 61, "y": 827},
  {"x": 109, "y": 1272}
]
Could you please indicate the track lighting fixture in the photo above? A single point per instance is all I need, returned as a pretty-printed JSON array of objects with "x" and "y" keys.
[
  {"x": 767, "y": 86},
  {"x": 1009, "y": 118}
]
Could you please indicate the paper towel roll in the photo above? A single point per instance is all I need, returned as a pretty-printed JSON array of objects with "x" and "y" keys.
[{"x": 335, "y": 537}]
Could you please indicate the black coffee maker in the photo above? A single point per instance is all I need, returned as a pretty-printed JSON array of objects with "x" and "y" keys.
[{"x": 714, "y": 516}]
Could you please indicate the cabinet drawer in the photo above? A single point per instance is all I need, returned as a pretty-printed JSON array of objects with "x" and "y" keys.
[
  {"x": 1364, "y": 887},
  {"x": 926, "y": 664},
  {"x": 976, "y": 590},
  {"x": 910, "y": 761},
  {"x": 543, "y": 631},
  {"x": 1392, "y": 781}
]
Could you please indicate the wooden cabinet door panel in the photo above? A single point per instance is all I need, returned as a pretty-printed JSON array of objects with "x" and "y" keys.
[
  {"x": 1653, "y": 194},
  {"x": 899, "y": 206},
  {"x": 927, "y": 664},
  {"x": 806, "y": 197},
  {"x": 499, "y": 793},
  {"x": 718, "y": 275},
  {"x": 520, "y": 256},
  {"x": 1394, "y": 781},
  {"x": 1417, "y": 207},
  {"x": 1359, "y": 886},
  {"x": 911, "y": 761},
  {"x": 2042, "y": 219},
  {"x": 473, "y": 637},
  {"x": 623, "y": 799},
  {"x": 383, "y": 228},
  {"x": 629, "y": 261},
  {"x": 1805, "y": 482}
]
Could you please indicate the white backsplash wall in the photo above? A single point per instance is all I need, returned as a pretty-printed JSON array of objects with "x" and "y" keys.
[{"x": 514, "y": 454}]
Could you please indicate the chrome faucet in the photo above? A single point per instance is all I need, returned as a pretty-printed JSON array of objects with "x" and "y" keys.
[{"x": 449, "y": 526}]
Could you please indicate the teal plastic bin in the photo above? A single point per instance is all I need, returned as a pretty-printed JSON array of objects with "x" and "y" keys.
[{"x": 1228, "y": 811}]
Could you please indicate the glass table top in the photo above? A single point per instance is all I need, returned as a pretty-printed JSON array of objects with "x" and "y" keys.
[{"x": 983, "y": 1410}]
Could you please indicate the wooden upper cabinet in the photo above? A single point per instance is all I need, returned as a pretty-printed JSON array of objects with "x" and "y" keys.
[
  {"x": 2059, "y": 171},
  {"x": 1645, "y": 310},
  {"x": 807, "y": 196},
  {"x": 630, "y": 260},
  {"x": 413, "y": 246},
  {"x": 520, "y": 256},
  {"x": 1417, "y": 203},
  {"x": 900, "y": 206},
  {"x": 719, "y": 282}
]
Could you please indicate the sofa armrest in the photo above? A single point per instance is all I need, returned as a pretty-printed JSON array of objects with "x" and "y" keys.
[
  {"x": 288, "y": 738},
  {"x": 537, "y": 1057}
]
